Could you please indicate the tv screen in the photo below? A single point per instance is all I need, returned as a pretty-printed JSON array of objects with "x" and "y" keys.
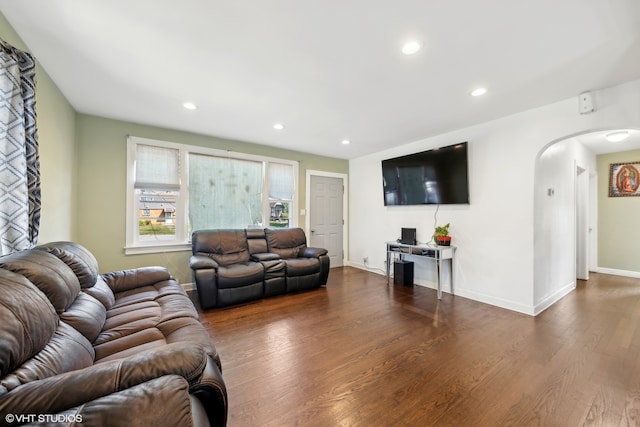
[{"x": 433, "y": 177}]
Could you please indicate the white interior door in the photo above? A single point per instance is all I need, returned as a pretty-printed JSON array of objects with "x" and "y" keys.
[{"x": 326, "y": 220}]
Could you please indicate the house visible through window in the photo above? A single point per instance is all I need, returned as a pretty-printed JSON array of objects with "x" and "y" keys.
[
  {"x": 175, "y": 189},
  {"x": 157, "y": 209},
  {"x": 281, "y": 192}
]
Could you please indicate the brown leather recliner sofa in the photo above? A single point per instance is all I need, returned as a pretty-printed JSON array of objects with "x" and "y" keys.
[
  {"x": 236, "y": 266},
  {"x": 81, "y": 348}
]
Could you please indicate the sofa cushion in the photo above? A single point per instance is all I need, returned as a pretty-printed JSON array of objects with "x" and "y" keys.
[
  {"x": 136, "y": 278},
  {"x": 149, "y": 291},
  {"x": 256, "y": 241},
  {"x": 102, "y": 292},
  {"x": 48, "y": 273},
  {"x": 139, "y": 320},
  {"x": 151, "y": 336},
  {"x": 66, "y": 351},
  {"x": 87, "y": 315},
  {"x": 241, "y": 274},
  {"x": 130, "y": 320},
  {"x": 302, "y": 266},
  {"x": 286, "y": 242},
  {"x": 78, "y": 258},
  {"x": 273, "y": 268},
  {"x": 226, "y": 247},
  {"x": 27, "y": 321},
  {"x": 145, "y": 338}
]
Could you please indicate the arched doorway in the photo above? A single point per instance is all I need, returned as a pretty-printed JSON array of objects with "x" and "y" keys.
[{"x": 565, "y": 226}]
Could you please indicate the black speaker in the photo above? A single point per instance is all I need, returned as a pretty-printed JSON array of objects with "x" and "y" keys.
[{"x": 403, "y": 273}]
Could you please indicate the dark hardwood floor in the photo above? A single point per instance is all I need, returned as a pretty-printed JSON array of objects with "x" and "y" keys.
[{"x": 361, "y": 353}]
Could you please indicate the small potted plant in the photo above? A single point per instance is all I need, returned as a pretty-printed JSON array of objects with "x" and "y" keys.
[{"x": 441, "y": 235}]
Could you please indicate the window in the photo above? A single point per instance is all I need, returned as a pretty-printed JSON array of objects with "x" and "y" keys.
[
  {"x": 281, "y": 192},
  {"x": 174, "y": 189},
  {"x": 224, "y": 192},
  {"x": 156, "y": 189}
]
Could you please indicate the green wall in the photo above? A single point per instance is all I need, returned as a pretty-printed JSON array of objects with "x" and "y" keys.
[
  {"x": 100, "y": 224},
  {"x": 618, "y": 219},
  {"x": 56, "y": 127}
]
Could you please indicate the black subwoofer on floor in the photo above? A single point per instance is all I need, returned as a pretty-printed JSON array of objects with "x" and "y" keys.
[{"x": 403, "y": 273}]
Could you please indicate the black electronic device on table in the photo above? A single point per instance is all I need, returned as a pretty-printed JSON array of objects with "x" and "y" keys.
[{"x": 408, "y": 236}]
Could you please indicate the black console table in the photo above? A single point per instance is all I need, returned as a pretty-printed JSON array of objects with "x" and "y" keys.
[{"x": 435, "y": 253}]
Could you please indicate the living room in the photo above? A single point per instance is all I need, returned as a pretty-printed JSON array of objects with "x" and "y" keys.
[
  {"x": 515, "y": 240},
  {"x": 78, "y": 171}
]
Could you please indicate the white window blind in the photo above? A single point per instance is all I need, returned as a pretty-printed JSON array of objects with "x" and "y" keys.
[
  {"x": 157, "y": 167},
  {"x": 281, "y": 181}
]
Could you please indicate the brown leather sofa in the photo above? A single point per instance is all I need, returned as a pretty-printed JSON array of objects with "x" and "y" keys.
[
  {"x": 122, "y": 348},
  {"x": 236, "y": 266}
]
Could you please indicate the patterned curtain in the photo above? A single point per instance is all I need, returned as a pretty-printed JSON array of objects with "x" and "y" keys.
[{"x": 19, "y": 160}]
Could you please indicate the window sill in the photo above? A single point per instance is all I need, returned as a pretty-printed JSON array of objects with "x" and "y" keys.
[{"x": 156, "y": 249}]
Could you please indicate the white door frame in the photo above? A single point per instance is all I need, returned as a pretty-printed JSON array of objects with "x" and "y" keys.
[
  {"x": 345, "y": 206},
  {"x": 593, "y": 221},
  {"x": 582, "y": 222}
]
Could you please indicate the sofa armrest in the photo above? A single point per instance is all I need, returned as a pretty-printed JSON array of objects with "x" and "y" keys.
[
  {"x": 170, "y": 405},
  {"x": 198, "y": 262},
  {"x": 125, "y": 280},
  {"x": 212, "y": 392},
  {"x": 65, "y": 391},
  {"x": 266, "y": 256},
  {"x": 157, "y": 402},
  {"x": 312, "y": 252}
]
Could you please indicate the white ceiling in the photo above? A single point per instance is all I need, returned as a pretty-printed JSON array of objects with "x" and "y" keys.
[
  {"x": 597, "y": 143},
  {"x": 327, "y": 70}
]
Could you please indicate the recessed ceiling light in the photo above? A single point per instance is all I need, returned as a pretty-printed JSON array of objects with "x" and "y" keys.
[
  {"x": 411, "y": 47},
  {"x": 189, "y": 105},
  {"x": 617, "y": 136},
  {"x": 479, "y": 91},
  {"x": 278, "y": 126},
  {"x": 346, "y": 142}
]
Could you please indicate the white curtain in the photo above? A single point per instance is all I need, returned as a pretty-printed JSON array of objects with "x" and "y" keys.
[
  {"x": 224, "y": 192},
  {"x": 19, "y": 159}
]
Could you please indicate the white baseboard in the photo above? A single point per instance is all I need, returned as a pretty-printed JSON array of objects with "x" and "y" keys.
[
  {"x": 498, "y": 302},
  {"x": 616, "y": 272},
  {"x": 553, "y": 298},
  {"x": 189, "y": 286},
  {"x": 361, "y": 266}
]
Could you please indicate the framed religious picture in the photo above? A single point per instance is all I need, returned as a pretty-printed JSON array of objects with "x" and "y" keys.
[{"x": 624, "y": 179}]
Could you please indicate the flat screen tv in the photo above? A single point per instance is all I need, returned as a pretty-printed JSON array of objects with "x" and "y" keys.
[{"x": 434, "y": 177}]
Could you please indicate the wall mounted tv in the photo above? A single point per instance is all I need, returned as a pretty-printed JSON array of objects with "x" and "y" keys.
[{"x": 433, "y": 177}]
